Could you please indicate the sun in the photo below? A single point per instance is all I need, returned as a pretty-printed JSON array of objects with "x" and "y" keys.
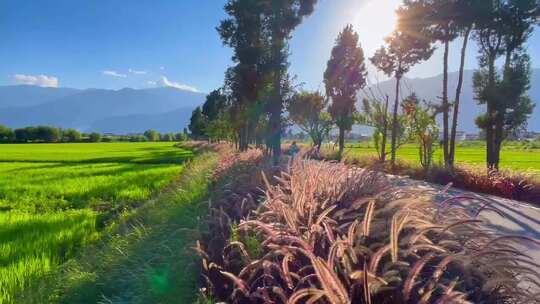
[
  {"x": 380, "y": 15},
  {"x": 376, "y": 19}
]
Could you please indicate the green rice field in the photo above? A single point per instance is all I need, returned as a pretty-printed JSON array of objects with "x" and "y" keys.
[
  {"x": 513, "y": 156},
  {"x": 54, "y": 197}
]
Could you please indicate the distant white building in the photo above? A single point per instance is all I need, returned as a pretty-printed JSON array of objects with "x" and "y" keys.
[
  {"x": 529, "y": 135},
  {"x": 460, "y": 136},
  {"x": 472, "y": 136}
]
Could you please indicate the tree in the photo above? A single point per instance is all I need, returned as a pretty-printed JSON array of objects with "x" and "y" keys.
[
  {"x": 514, "y": 88},
  {"x": 502, "y": 29},
  {"x": 220, "y": 128},
  {"x": 152, "y": 135},
  {"x": 307, "y": 111},
  {"x": 238, "y": 111},
  {"x": 167, "y": 137},
  {"x": 197, "y": 124},
  {"x": 215, "y": 104},
  {"x": 216, "y": 113},
  {"x": 423, "y": 127},
  {"x": 71, "y": 135},
  {"x": 94, "y": 137},
  {"x": 244, "y": 32},
  {"x": 181, "y": 136},
  {"x": 467, "y": 15},
  {"x": 22, "y": 135},
  {"x": 489, "y": 35},
  {"x": 402, "y": 51},
  {"x": 6, "y": 134},
  {"x": 442, "y": 21},
  {"x": 509, "y": 107},
  {"x": 281, "y": 18},
  {"x": 259, "y": 31},
  {"x": 44, "y": 134},
  {"x": 375, "y": 114},
  {"x": 345, "y": 75},
  {"x": 138, "y": 138}
]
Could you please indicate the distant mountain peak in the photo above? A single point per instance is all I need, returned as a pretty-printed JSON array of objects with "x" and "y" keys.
[{"x": 86, "y": 109}]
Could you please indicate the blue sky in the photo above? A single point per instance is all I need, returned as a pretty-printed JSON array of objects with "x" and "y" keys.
[{"x": 119, "y": 43}]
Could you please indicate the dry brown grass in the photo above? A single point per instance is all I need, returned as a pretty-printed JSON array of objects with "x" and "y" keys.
[{"x": 329, "y": 233}]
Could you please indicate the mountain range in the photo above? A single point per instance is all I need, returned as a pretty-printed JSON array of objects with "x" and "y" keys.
[
  {"x": 122, "y": 111},
  {"x": 168, "y": 109}
]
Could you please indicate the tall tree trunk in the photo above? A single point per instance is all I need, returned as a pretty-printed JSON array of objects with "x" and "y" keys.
[
  {"x": 317, "y": 140},
  {"x": 275, "y": 125},
  {"x": 244, "y": 143},
  {"x": 452, "y": 153},
  {"x": 445, "y": 105},
  {"x": 395, "y": 123},
  {"x": 490, "y": 132},
  {"x": 277, "y": 101},
  {"x": 247, "y": 140},
  {"x": 489, "y": 140},
  {"x": 341, "y": 141},
  {"x": 385, "y": 131},
  {"x": 240, "y": 137},
  {"x": 498, "y": 136},
  {"x": 507, "y": 59},
  {"x": 498, "y": 139}
]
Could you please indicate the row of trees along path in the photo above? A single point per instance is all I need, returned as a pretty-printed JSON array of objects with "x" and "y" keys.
[
  {"x": 500, "y": 27},
  {"x": 258, "y": 88}
]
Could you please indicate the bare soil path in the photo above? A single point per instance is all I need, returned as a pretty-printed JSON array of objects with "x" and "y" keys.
[{"x": 510, "y": 218}]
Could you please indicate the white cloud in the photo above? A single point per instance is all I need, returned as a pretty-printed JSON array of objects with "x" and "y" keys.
[
  {"x": 164, "y": 82},
  {"x": 137, "y": 72},
  {"x": 37, "y": 80},
  {"x": 162, "y": 68},
  {"x": 114, "y": 74},
  {"x": 151, "y": 83}
]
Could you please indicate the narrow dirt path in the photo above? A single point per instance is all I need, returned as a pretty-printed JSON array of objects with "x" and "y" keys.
[{"x": 508, "y": 218}]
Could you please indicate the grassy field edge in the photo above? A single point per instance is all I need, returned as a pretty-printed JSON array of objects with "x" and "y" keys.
[{"x": 146, "y": 258}]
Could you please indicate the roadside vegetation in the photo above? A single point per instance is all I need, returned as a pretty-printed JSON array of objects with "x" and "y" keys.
[
  {"x": 260, "y": 99},
  {"x": 330, "y": 233},
  {"x": 333, "y": 233},
  {"x": 521, "y": 182}
]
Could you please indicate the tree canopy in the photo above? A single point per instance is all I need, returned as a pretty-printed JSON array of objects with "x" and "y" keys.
[
  {"x": 345, "y": 75},
  {"x": 401, "y": 53},
  {"x": 308, "y": 111},
  {"x": 152, "y": 135}
]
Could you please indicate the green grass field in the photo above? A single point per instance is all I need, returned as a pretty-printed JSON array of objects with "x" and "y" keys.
[
  {"x": 513, "y": 156},
  {"x": 147, "y": 257},
  {"x": 52, "y": 197}
]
